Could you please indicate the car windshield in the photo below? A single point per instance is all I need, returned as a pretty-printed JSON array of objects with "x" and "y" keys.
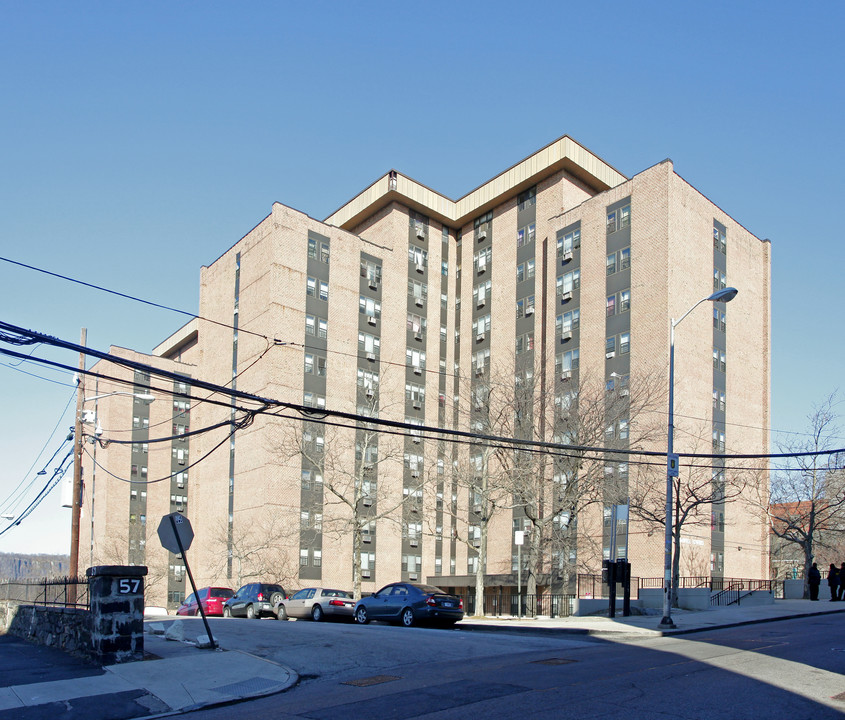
[
  {"x": 272, "y": 589},
  {"x": 221, "y": 592},
  {"x": 431, "y": 590}
]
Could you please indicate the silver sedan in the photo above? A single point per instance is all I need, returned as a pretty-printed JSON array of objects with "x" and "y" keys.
[{"x": 317, "y": 604}]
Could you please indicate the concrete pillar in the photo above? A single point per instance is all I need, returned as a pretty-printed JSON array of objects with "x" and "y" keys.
[{"x": 116, "y": 599}]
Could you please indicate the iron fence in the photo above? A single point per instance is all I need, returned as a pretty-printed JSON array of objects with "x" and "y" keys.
[
  {"x": 513, "y": 605},
  {"x": 591, "y": 586},
  {"x": 48, "y": 592}
]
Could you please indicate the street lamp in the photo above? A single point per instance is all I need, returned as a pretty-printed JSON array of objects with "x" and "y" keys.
[
  {"x": 76, "y": 509},
  {"x": 724, "y": 295}
]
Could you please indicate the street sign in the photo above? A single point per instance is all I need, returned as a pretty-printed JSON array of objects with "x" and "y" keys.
[
  {"x": 519, "y": 537},
  {"x": 167, "y": 535},
  {"x": 672, "y": 462}
]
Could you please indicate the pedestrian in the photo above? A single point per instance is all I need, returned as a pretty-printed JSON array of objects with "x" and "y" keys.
[
  {"x": 833, "y": 580},
  {"x": 814, "y": 579},
  {"x": 841, "y": 584}
]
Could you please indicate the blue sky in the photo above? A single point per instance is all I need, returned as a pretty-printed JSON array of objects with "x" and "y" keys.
[{"x": 139, "y": 141}]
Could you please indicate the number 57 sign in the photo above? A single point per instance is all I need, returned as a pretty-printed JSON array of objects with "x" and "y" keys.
[{"x": 129, "y": 586}]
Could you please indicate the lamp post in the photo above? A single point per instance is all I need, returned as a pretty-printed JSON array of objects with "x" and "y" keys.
[
  {"x": 724, "y": 295},
  {"x": 76, "y": 509}
]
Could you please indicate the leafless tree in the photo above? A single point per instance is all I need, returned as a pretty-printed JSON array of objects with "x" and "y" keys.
[
  {"x": 806, "y": 507},
  {"x": 696, "y": 490},
  {"x": 357, "y": 491},
  {"x": 260, "y": 549}
]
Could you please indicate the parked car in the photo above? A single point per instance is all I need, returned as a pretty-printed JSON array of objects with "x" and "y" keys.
[
  {"x": 212, "y": 599},
  {"x": 254, "y": 600},
  {"x": 317, "y": 604},
  {"x": 408, "y": 603}
]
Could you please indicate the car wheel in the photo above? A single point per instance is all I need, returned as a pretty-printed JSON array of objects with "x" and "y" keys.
[
  {"x": 250, "y": 612},
  {"x": 361, "y": 616},
  {"x": 226, "y": 612},
  {"x": 282, "y": 614},
  {"x": 276, "y": 598},
  {"x": 316, "y": 613},
  {"x": 407, "y": 617}
]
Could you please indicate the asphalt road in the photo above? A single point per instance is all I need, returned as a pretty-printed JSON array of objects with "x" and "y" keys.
[{"x": 791, "y": 669}]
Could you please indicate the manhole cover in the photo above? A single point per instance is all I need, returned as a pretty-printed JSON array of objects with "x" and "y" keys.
[
  {"x": 374, "y": 680},
  {"x": 553, "y": 661}
]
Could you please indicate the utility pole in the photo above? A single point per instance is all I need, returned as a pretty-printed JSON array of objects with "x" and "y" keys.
[{"x": 77, "y": 472}]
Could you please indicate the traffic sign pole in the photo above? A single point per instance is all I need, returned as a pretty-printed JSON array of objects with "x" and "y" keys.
[{"x": 212, "y": 644}]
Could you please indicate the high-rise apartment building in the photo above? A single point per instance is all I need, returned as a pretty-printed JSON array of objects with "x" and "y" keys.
[{"x": 535, "y": 308}]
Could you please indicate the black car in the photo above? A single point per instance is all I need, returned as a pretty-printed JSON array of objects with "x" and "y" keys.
[
  {"x": 254, "y": 600},
  {"x": 408, "y": 603}
]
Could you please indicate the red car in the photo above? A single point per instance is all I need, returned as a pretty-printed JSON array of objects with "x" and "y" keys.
[{"x": 212, "y": 599}]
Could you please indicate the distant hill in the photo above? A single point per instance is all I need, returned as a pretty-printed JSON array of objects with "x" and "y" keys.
[{"x": 17, "y": 566}]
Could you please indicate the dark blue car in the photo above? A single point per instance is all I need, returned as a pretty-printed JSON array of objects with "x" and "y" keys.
[{"x": 409, "y": 603}]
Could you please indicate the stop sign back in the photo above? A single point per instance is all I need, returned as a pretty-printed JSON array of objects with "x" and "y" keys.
[{"x": 170, "y": 527}]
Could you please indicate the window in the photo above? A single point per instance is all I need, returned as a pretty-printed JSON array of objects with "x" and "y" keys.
[
  {"x": 718, "y": 441},
  {"x": 415, "y": 359},
  {"x": 324, "y": 291},
  {"x": 418, "y": 291},
  {"x": 570, "y": 320},
  {"x": 624, "y": 258},
  {"x": 567, "y": 283},
  {"x": 625, "y": 343},
  {"x": 524, "y": 343},
  {"x": 718, "y": 319},
  {"x": 720, "y": 281},
  {"x": 568, "y": 361},
  {"x": 531, "y": 233},
  {"x": 520, "y": 237},
  {"x": 481, "y": 325},
  {"x": 322, "y": 328},
  {"x": 480, "y": 293},
  {"x": 418, "y": 256},
  {"x": 719, "y": 359},
  {"x": 720, "y": 238},
  {"x": 312, "y": 248},
  {"x": 369, "y": 344},
  {"x": 529, "y": 269},
  {"x": 310, "y": 325},
  {"x": 311, "y": 287},
  {"x": 318, "y": 558},
  {"x": 324, "y": 252},
  {"x": 611, "y": 263},
  {"x": 520, "y": 272},
  {"x": 610, "y": 345},
  {"x": 624, "y": 301},
  {"x": 482, "y": 259},
  {"x": 483, "y": 220},
  {"x": 303, "y": 556},
  {"x": 369, "y": 307},
  {"x": 371, "y": 271},
  {"x": 416, "y": 323},
  {"x": 618, "y": 219},
  {"x": 568, "y": 242},
  {"x": 610, "y": 306},
  {"x": 527, "y": 198},
  {"x": 718, "y": 399}
]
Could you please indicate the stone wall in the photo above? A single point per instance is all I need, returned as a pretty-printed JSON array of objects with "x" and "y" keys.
[{"x": 67, "y": 629}]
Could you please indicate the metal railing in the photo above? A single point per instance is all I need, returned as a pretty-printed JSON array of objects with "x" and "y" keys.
[
  {"x": 513, "y": 605},
  {"x": 48, "y": 592},
  {"x": 591, "y": 586}
]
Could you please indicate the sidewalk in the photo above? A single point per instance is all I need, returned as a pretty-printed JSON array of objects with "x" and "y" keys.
[{"x": 183, "y": 678}]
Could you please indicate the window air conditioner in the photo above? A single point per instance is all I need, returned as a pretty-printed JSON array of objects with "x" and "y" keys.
[
  {"x": 482, "y": 234},
  {"x": 365, "y": 573},
  {"x": 529, "y": 311},
  {"x": 420, "y": 232},
  {"x": 564, "y": 297},
  {"x": 566, "y": 375},
  {"x": 479, "y": 337},
  {"x": 481, "y": 302},
  {"x": 415, "y": 473},
  {"x": 368, "y": 502},
  {"x": 414, "y": 542},
  {"x": 566, "y": 335},
  {"x": 418, "y": 336},
  {"x": 417, "y": 439},
  {"x": 417, "y": 405},
  {"x": 373, "y": 284},
  {"x": 413, "y": 576},
  {"x": 366, "y": 539},
  {"x": 371, "y": 320},
  {"x": 420, "y": 267},
  {"x": 624, "y": 392},
  {"x": 482, "y": 268},
  {"x": 371, "y": 357},
  {"x": 567, "y": 256},
  {"x": 479, "y": 370},
  {"x": 370, "y": 393},
  {"x": 418, "y": 301},
  {"x": 476, "y": 508},
  {"x": 611, "y": 354}
]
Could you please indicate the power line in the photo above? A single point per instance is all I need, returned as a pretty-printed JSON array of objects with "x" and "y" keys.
[{"x": 20, "y": 333}]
